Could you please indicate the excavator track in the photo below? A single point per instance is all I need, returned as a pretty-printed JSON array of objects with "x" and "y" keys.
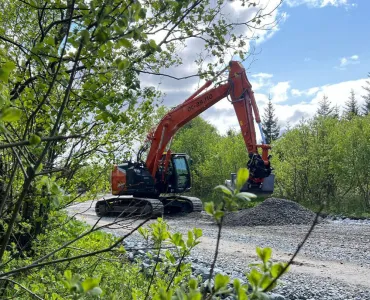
[
  {"x": 133, "y": 206},
  {"x": 129, "y": 207},
  {"x": 181, "y": 204}
]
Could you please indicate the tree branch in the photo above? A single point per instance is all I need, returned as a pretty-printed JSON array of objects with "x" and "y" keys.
[
  {"x": 45, "y": 139},
  {"x": 170, "y": 76},
  {"x": 23, "y": 287}
]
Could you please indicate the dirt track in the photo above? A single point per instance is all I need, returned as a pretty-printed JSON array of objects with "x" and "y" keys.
[{"x": 336, "y": 254}]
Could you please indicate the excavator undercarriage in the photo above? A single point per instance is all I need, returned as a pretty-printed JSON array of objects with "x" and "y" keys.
[{"x": 126, "y": 206}]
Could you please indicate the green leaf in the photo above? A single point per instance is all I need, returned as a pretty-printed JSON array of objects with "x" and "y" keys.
[
  {"x": 102, "y": 36},
  {"x": 265, "y": 282},
  {"x": 8, "y": 66},
  {"x": 236, "y": 284},
  {"x": 39, "y": 168},
  {"x": 68, "y": 275},
  {"x": 193, "y": 283},
  {"x": 221, "y": 281},
  {"x": 125, "y": 43},
  {"x": 123, "y": 64},
  {"x": 209, "y": 207},
  {"x": 4, "y": 75},
  {"x": 254, "y": 277},
  {"x": 153, "y": 44},
  {"x": 190, "y": 240},
  {"x": 49, "y": 40},
  {"x": 142, "y": 13},
  {"x": 10, "y": 114},
  {"x": 34, "y": 139},
  {"x": 247, "y": 195},
  {"x": 276, "y": 269},
  {"x": 85, "y": 35},
  {"x": 169, "y": 256},
  {"x": 242, "y": 197},
  {"x": 90, "y": 283},
  {"x": 218, "y": 215},
  {"x": 224, "y": 189},
  {"x": 241, "y": 177},
  {"x": 264, "y": 254},
  {"x": 197, "y": 232},
  {"x": 55, "y": 189},
  {"x": 122, "y": 249}
]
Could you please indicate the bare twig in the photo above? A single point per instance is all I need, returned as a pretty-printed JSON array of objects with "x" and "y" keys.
[{"x": 23, "y": 287}]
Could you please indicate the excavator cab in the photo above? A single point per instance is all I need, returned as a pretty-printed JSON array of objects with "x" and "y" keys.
[{"x": 178, "y": 178}]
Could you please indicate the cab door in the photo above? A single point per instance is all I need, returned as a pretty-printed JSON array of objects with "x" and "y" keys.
[{"x": 181, "y": 172}]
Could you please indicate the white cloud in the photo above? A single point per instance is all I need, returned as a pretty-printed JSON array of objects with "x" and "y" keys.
[
  {"x": 296, "y": 92},
  {"x": 320, "y": 3},
  {"x": 262, "y": 75},
  {"x": 280, "y": 91},
  {"x": 350, "y": 60},
  {"x": 222, "y": 115},
  {"x": 260, "y": 80},
  {"x": 308, "y": 92}
]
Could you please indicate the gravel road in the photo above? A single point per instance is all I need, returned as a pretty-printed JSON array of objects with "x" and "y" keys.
[{"x": 333, "y": 264}]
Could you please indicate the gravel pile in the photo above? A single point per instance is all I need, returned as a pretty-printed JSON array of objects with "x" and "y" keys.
[{"x": 272, "y": 211}]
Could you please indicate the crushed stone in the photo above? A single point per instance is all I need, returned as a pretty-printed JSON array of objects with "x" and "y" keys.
[{"x": 272, "y": 211}]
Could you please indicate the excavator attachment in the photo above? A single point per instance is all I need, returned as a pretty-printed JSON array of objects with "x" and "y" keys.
[
  {"x": 261, "y": 179},
  {"x": 261, "y": 189}
]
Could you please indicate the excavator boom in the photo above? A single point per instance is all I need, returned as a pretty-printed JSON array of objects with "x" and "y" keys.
[{"x": 242, "y": 97}]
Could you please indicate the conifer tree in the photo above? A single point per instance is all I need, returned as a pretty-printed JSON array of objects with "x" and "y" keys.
[
  {"x": 366, "y": 106},
  {"x": 336, "y": 113},
  {"x": 351, "y": 107},
  {"x": 325, "y": 108},
  {"x": 271, "y": 129}
]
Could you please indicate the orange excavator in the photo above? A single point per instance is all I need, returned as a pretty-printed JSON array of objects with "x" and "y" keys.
[{"x": 156, "y": 186}]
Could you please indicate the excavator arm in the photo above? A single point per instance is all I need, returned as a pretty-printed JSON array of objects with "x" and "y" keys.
[{"x": 242, "y": 97}]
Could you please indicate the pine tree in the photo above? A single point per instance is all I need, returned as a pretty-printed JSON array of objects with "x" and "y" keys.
[
  {"x": 351, "y": 109},
  {"x": 336, "y": 113},
  {"x": 366, "y": 107},
  {"x": 271, "y": 129},
  {"x": 325, "y": 108}
]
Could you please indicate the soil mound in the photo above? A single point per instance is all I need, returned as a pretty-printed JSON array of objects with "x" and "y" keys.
[{"x": 272, "y": 211}]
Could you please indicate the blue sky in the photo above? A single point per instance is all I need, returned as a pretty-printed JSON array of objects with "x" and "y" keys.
[{"x": 311, "y": 42}]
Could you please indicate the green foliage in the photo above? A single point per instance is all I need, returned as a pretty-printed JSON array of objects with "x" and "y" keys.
[
  {"x": 325, "y": 160},
  {"x": 77, "y": 287},
  {"x": 108, "y": 275},
  {"x": 214, "y": 156}
]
